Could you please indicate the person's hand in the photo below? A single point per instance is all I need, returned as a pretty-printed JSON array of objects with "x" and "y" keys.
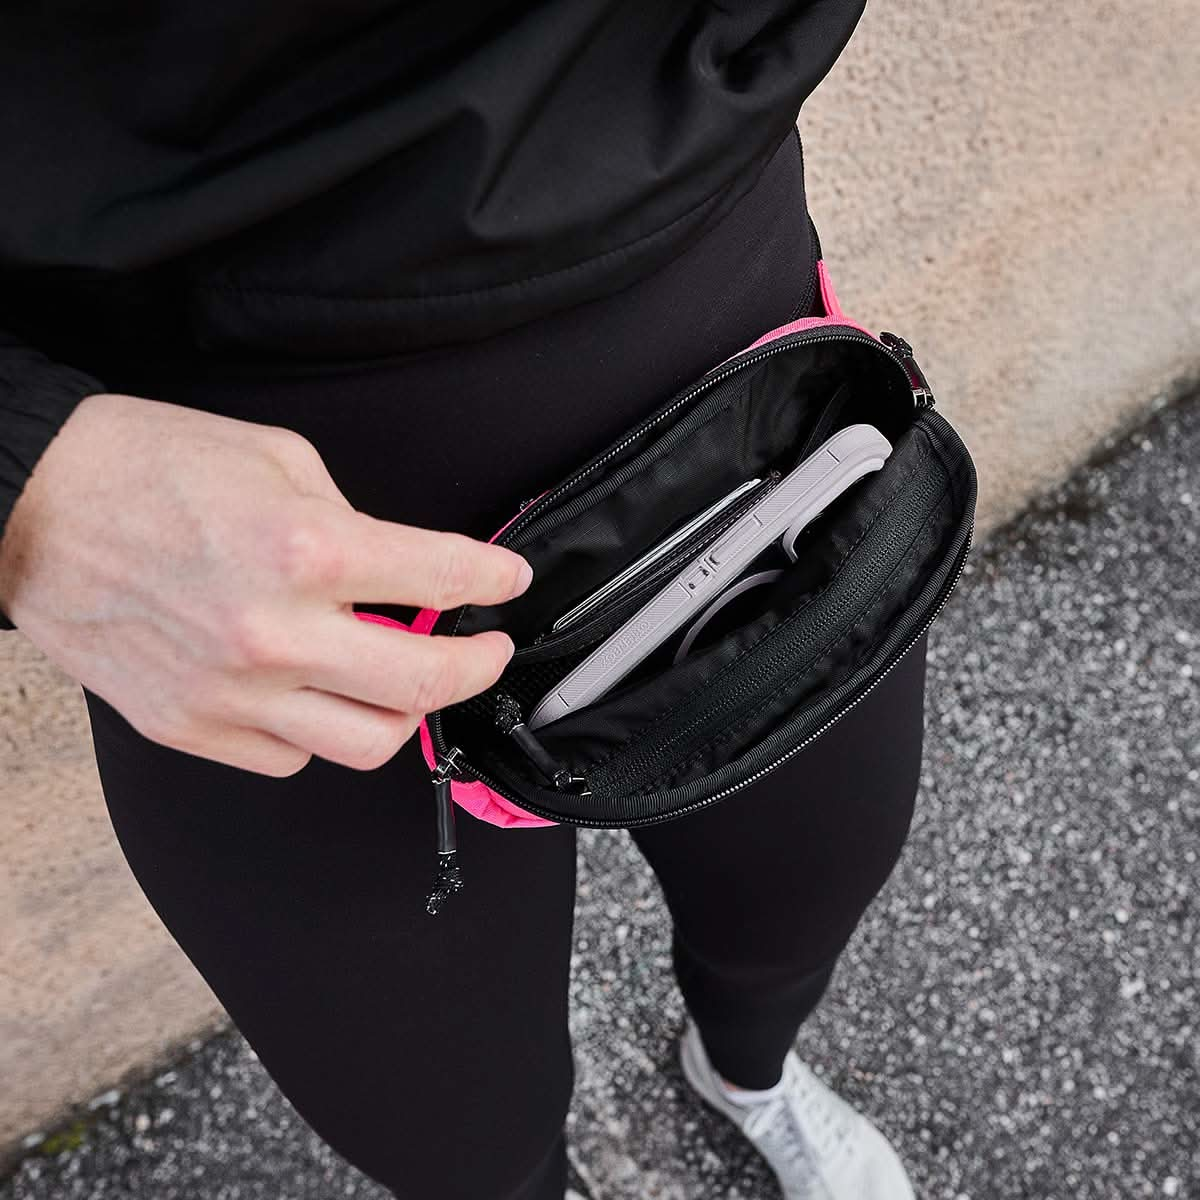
[{"x": 198, "y": 573}]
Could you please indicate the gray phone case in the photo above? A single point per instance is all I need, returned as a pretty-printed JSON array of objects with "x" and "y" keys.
[{"x": 782, "y": 512}]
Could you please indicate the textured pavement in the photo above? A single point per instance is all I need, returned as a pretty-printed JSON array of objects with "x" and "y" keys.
[{"x": 1019, "y": 1009}]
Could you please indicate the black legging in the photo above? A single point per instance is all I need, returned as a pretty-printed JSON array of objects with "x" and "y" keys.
[{"x": 433, "y": 1052}]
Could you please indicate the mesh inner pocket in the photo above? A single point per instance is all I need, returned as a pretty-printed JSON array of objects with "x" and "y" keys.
[{"x": 526, "y": 684}]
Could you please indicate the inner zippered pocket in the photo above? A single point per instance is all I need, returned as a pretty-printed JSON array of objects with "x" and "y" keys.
[{"x": 698, "y": 714}]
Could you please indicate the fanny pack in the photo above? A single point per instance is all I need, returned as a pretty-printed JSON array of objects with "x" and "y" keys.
[{"x": 870, "y": 576}]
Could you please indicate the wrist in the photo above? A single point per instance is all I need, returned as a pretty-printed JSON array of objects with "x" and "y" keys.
[{"x": 18, "y": 532}]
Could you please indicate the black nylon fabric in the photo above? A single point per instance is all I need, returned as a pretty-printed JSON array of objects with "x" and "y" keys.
[{"x": 361, "y": 177}]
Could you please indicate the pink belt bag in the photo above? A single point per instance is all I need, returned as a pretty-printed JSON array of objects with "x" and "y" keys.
[{"x": 868, "y": 578}]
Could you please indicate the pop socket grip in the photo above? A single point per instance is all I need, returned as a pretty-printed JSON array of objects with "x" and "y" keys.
[{"x": 758, "y": 579}]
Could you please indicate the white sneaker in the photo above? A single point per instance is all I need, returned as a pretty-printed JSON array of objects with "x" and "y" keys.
[{"x": 818, "y": 1146}]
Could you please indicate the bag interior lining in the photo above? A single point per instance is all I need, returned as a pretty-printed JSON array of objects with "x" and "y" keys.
[
  {"x": 603, "y": 731},
  {"x": 758, "y": 420}
]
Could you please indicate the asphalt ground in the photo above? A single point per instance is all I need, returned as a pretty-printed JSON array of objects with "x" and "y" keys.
[{"x": 1018, "y": 1010}]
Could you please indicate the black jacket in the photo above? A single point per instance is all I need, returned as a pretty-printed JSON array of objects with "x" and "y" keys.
[{"x": 350, "y": 179}]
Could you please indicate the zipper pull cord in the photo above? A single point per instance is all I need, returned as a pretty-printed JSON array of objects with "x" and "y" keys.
[
  {"x": 511, "y": 722},
  {"x": 448, "y": 879},
  {"x": 922, "y": 392}
]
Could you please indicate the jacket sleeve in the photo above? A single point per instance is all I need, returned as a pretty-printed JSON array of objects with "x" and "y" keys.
[{"x": 37, "y": 395}]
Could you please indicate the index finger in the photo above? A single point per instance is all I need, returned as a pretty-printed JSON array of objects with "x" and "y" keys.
[{"x": 386, "y": 562}]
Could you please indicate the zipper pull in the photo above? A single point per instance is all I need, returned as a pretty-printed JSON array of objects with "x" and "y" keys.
[
  {"x": 448, "y": 879},
  {"x": 511, "y": 723},
  {"x": 922, "y": 392}
]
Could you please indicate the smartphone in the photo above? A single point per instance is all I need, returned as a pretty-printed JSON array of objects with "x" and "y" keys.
[
  {"x": 779, "y": 515},
  {"x": 652, "y": 557}
]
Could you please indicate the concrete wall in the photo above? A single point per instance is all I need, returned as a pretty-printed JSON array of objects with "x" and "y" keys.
[
  {"x": 1013, "y": 186},
  {"x": 90, "y": 983}
]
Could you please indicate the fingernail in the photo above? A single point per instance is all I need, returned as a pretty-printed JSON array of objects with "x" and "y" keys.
[{"x": 524, "y": 577}]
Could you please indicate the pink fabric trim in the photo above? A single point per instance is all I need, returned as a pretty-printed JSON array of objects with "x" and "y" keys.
[{"x": 829, "y": 300}]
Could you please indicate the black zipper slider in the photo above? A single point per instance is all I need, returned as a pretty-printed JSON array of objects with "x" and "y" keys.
[
  {"x": 922, "y": 392},
  {"x": 511, "y": 722},
  {"x": 448, "y": 879}
]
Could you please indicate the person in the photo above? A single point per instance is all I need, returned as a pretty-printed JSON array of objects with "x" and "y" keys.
[{"x": 299, "y": 303}]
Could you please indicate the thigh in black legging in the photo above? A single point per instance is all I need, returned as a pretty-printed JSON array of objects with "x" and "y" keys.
[
  {"x": 766, "y": 887},
  {"x": 432, "y": 1053}
]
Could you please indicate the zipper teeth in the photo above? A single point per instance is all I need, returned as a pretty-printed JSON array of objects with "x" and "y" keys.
[
  {"x": 433, "y": 720},
  {"x": 771, "y": 766}
]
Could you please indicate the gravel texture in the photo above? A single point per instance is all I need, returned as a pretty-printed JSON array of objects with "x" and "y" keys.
[{"x": 1018, "y": 1011}]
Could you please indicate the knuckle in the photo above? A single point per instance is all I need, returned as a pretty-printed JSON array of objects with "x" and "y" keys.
[
  {"x": 379, "y": 746},
  {"x": 430, "y": 687},
  {"x": 452, "y": 571},
  {"x": 288, "y": 765},
  {"x": 218, "y": 699},
  {"x": 292, "y": 445},
  {"x": 253, "y": 642},
  {"x": 305, "y": 555}
]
